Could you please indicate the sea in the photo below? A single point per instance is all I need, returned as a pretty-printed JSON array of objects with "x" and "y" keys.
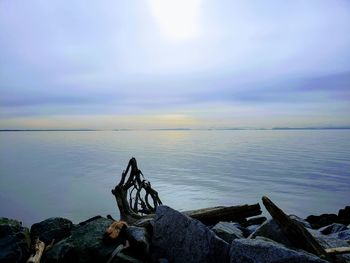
[{"x": 71, "y": 173}]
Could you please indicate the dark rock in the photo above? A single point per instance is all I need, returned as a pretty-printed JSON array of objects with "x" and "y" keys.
[
  {"x": 139, "y": 241},
  {"x": 227, "y": 231},
  {"x": 84, "y": 245},
  {"x": 322, "y": 220},
  {"x": 271, "y": 230},
  {"x": 261, "y": 251},
  {"x": 14, "y": 241},
  {"x": 53, "y": 228},
  {"x": 301, "y": 221},
  {"x": 333, "y": 228},
  {"x": 344, "y": 215},
  {"x": 180, "y": 238}
]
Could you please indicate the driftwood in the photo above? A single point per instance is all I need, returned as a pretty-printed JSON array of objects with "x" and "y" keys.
[
  {"x": 338, "y": 250},
  {"x": 139, "y": 191},
  {"x": 39, "y": 248},
  {"x": 211, "y": 216},
  {"x": 133, "y": 196},
  {"x": 295, "y": 232}
]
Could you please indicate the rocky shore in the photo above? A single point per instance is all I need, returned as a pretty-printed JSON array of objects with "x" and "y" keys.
[{"x": 171, "y": 236}]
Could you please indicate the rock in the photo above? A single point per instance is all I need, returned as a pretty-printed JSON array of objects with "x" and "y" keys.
[
  {"x": 84, "y": 245},
  {"x": 227, "y": 231},
  {"x": 333, "y": 228},
  {"x": 53, "y": 228},
  {"x": 271, "y": 230},
  {"x": 139, "y": 241},
  {"x": 343, "y": 235},
  {"x": 330, "y": 241},
  {"x": 301, "y": 221},
  {"x": 14, "y": 241},
  {"x": 344, "y": 215},
  {"x": 327, "y": 241},
  {"x": 180, "y": 238},
  {"x": 322, "y": 220},
  {"x": 261, "y": 251}
]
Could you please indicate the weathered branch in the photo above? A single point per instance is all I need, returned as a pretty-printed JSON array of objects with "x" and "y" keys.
[
  {"x": 138, "y": 190},
  {"x": 338, "y": 250},
  {"x": 39, "y": 248},
  {"x": 294, "y": 231}
]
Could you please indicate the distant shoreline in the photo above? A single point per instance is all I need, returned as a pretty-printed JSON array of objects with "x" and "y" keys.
[{"x": 180, "y": 129}]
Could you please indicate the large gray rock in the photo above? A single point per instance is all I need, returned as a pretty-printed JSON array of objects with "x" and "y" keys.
[
  {"x": 56, "y": 228},
  {"x": 14, "y": 241},
  {"x": 85, "y": 245},
  {"x": 333, "y": 228},
  {"x": 227, "y": 231},
  {"x": 180, "y": 238},
  {"x": 271, "y": 230},
  {"x": 262, "y": 251}
]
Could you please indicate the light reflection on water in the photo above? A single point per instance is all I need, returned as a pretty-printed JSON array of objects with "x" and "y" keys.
[{"x": 70, "y": 174}]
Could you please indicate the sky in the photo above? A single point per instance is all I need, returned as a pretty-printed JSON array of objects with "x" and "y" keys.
[{"x": 143, "y": 64}]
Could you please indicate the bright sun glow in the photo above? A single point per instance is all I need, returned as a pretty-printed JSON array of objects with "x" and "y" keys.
[{"x": 177, "y": 19}]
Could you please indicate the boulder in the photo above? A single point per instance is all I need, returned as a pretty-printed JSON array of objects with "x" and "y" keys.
[
  {"x": 56, "y": 228},
  {"x": 85, "y": 244},
  {"x": 14, "y": 241},
  {"x": 261, "y": 251},
  {"x": 329, "y": 241},
  {"x": 139, "y": 241},
  {"x": 344, "y": 215},
  {"x": 271, "y": 230},
  {"x": 179, "y": 238},
  {"x": 333, "y": 228},
  {"x": 322, "y": 220},
  {"x": 227, "y": 231}
]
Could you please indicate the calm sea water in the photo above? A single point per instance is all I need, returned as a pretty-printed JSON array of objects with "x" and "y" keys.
[{"x": 71, "y": 174}]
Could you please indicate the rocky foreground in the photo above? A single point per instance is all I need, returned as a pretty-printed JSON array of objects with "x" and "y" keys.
[{"x": 171, "y": 237}]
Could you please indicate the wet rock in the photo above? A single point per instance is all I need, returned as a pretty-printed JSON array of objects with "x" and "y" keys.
[
  {"x": 261, "y": 251},
  {"x": 322, "y": 220},
  {"x": 85, "y": 244},
  {"x": 139, "y": 241},
  {"x": 227, "y": 231},
  {"x": 14, "y": 241},
  {"x": 301, "y": 221},
  {"x": 53, "y": 228},
  {"x": 271, "y": 230},
  {"x": 333, "y": 228},
  {"x": 180, "y": 238}
]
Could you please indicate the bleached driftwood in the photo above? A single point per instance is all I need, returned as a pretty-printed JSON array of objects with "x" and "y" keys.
[{"x": 39, "y": 248}]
